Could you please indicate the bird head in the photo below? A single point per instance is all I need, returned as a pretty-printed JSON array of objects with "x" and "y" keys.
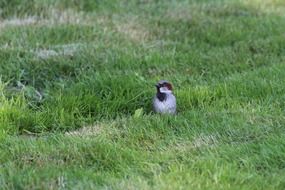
[{"x": 164, "y": 86}]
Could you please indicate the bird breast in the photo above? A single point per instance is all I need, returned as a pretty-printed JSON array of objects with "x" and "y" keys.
[{"x": 166, "y": 106}]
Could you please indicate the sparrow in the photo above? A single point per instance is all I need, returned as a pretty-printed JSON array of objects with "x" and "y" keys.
[{"x": 164, "y": 101}]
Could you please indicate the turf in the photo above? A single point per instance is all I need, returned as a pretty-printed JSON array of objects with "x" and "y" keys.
[{"x": 77, "y": 81}]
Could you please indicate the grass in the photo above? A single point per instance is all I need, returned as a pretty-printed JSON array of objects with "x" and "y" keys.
[{"x": 77, "y": 81}]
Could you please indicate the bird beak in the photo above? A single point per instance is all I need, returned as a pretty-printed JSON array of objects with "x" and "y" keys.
[{"x": 156, "y": 85}]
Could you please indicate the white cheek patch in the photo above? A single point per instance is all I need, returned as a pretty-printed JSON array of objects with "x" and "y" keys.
[{"x": 164, "y": 90}]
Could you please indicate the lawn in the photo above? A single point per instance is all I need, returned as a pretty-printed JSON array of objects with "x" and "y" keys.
[{"x": 77, "y": 81}]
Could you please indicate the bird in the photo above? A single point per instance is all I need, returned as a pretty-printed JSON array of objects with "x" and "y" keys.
[{"x": 164, "y": 102}]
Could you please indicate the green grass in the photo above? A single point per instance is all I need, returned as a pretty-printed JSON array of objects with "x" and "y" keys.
[{"x": 77, "y": 81}]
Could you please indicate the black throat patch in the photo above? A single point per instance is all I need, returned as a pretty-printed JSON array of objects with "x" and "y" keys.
[{"x": 161, "y": 96}]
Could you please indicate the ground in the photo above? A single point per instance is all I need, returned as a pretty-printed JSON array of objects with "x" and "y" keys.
[{"x": 77, "y": 81}]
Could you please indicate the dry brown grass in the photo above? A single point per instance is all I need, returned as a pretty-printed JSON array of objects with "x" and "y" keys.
[{"x": 134, "y": 30}]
